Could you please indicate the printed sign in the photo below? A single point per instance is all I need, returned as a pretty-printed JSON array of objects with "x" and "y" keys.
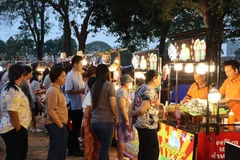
[
  {"x": 212, "y": 146},
  {"x": 145, "y": 60},
  {"x": 175, "y": 144},
  {"x": 191, "y": 50}
]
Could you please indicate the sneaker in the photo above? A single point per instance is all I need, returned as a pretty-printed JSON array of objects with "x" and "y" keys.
[{"x": 37, "y": 130}]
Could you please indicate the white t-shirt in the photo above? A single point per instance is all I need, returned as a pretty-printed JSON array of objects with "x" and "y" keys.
[
  {"x": 87, "y": 101},
  {"x": 74, "y": 82},
  {"x": 17, "y": 101},
  {"x": 34, "y": 86}
]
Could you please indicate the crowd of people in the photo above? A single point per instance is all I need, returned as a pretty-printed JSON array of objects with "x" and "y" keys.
[
  {"x": 74, "y": 106},
  {"x": 88, "y": 108}
]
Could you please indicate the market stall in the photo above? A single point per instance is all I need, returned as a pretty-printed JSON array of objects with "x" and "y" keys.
[
  {"x": 199, "y": 128},
  {"x": 142, "y": 61},
  {"x": 196, "y": 130}
]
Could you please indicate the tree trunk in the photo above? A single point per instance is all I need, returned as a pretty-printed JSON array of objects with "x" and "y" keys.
[
  {"x": 82, "y": 36},
  {"x": 82, "y": 40},
  {"x": 213, "y": 18},
  {"x": 162, "y": 53},
  {"x": 39, "y": 50},
  {"x": 67, "y": 36}
]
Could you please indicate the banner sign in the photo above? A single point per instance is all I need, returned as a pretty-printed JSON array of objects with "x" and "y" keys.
[{"x": 175, "y": 144}]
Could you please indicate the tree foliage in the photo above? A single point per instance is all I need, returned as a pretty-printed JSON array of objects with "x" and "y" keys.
[
  {"x": 55, "y": 46},
  {"x": 64, "y": 8},
  {"x": 237, "y": 53},
  {"x": 97, "y": 46},
  {"x": 232, "y": 21},
  {"x": 34, "y": 22},
  {"x": 17, "y": 47}
]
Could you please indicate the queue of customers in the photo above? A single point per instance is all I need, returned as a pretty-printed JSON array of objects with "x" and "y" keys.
[
  {"x": 101, "y": 110},
  {"x": 95, "y": 110}
]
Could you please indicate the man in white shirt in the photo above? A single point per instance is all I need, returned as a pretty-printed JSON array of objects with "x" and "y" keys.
[{"x": 73, "y": 90}]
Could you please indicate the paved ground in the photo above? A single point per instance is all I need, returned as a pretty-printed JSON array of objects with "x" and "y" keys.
[{"x": 38, "y": 146}]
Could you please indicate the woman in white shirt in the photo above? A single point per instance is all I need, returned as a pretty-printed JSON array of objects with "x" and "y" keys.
[{"x": 16, "y": 115}]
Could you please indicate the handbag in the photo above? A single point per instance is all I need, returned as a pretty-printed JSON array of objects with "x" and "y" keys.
[
  {"x": 69, "y": 122},
  {"x": 132, "y": 135},
  {"x": 41, "y": 102}
]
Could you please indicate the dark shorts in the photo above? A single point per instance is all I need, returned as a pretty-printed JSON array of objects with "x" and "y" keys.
[
  {"x": 35, "y": 110},
  {"x": 122, "y": 132}
]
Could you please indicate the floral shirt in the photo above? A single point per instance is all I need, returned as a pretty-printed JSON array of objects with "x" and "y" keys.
[
  {"x": 13, "y": 100},
  {"x": 150, "y": 118}
]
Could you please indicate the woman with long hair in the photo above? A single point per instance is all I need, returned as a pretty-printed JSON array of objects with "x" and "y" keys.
[
  {"x": 91, "y": 143},
  {"x": 104, "y": 110},
  {"x": 16, "y": 115},
  {"x": 91, "y": 72},
  {"x": 145, "y": 112}
]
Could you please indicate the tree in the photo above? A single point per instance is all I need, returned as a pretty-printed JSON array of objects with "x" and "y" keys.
[
  {"x": 97, "y": 46},
  {"x": 237, "y": 53},
  {"x": 63, "y": 8},
  {"x": 55, "y": 47},
  {"x": 232, "y": 21},
  {"x": 138, "y": 22},
  {"x": 18, "y": 46},
  {"x": 2, "y": 47},
  {"x": 34, "y": 21}
]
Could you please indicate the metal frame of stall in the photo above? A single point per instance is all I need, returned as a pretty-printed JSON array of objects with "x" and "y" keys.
[
  {"x": 209, "y": 144},
  {"x": 131, "y": 148},
  {"x": 210, "y": 36}
]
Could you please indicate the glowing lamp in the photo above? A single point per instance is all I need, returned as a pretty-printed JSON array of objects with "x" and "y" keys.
[
  {"x": 113, "y": 67},
  {"x": 84, "y": 62},
  {"x": 189, "y": 68},
  {"x": 214, "y": 95},
  {"x": 201, "y": 68},
  {"x": 139, "y": 75},
  {"x": 116, "y": 61},
  {"x": 79, "y": 53},
  {"x": 63, "y": 55},
  {"x": 178, "y": 67}
]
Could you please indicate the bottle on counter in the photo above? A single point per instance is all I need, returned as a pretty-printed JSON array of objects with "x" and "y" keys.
[
  {"x": 164, "y": 108},
  {"x": 231, "y": 119}
]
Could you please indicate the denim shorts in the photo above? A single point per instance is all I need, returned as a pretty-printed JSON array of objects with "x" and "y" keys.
[{"x": 123, "y": 134}]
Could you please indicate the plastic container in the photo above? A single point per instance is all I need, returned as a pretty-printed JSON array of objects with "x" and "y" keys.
[{"x": 231, "y": 120}]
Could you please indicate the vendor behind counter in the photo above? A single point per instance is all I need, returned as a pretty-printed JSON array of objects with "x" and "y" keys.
[
  {"x": 231, "y": 87},
  {"x": 198, "y": 89}
]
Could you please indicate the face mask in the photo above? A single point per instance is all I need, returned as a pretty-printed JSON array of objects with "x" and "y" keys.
[{"x": 130, "y": 85}]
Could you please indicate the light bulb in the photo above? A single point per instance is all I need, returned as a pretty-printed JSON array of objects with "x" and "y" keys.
[
  {"x": 178, "y": 66},
  {"x": 84, "y": 62},
  {"x": 201, "y": 68},
  {"x": 189, "y": 68}
]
